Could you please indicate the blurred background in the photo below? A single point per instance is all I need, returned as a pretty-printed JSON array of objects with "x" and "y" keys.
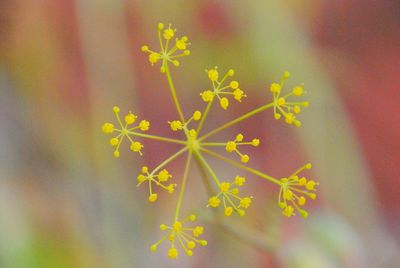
[{"x": 66, "y": 202}]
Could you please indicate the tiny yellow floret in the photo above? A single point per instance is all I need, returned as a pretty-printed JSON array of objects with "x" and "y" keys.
[
  {"x": 153, "y": 197},
  {"x": 108, "y": 128}
]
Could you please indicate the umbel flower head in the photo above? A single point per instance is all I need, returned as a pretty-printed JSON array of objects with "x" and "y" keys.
[
  {"x": 185, "y": 237},
  {"x": 224, "y": 195}
]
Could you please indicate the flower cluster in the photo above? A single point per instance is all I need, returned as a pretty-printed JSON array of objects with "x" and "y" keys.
[
  {"x": 284, "y": 107},
  {"x": 220, "y": 89},
  {"x": 167, "y": 54},
  {"x": 186, "y": 237},
  {"x": 230, "y": 197},
  {"x": 198, "y": 147},
  {"x": 291, "y": 194},
  {"x": 124, "y": 131},
  {"x": 160, "y": 179}
]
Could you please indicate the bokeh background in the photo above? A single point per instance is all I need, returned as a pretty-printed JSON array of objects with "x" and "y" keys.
[{"x": 66, "y": 202}]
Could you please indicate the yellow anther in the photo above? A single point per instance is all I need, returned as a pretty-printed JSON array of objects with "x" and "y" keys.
[
  {"x": 171, "y": 188},
  {"x": 298, "y": 91},
  {"x": 275, "y": 88},
  {"x": 288, "y": 211},
  {"x": 181, "y": 43},
  {"x": 196, "y": 115},
  {"x": 308, "y": 166},
  {"x": 160, "y": 26},
  {"x": 198, "y": 230},
  {"x": 191, "y": 244},
  {"x": 228, "y": 211},
  {"x": 255, "y": 142},
  {"x": 231, "y": 72},
  {"x": 144, "y": 125},
  {"x": 207, "y": 95},
  {"x": 230, "y": 146},
  {"x": 311, "y": 185},
  {"x": 136, "y": 146},
  {"x": 154, "y": 57},
  {"x": 238, "y": 94},
  {"x": 203, "y": 242},
  {"x": 296, "y": 109},
  {"x": 213, "y": 74},
  {"x": 290, "y": 118},
  {"x": 153, "y": 248},
  {"x": 303, "y": 213},
  {"x": 192, "y": 217},
  {"x": 241, "y": 212},
  {"x": 164, "y": 175},
  {"x": 168, "y": 33},
  {"x": 176, "y": 125},
  {"x": 114, "y": 141},
  {"x": 224, "y": 187},
  {"x": 235, "y": 191},
  {"x": 130, "y": 118},
  {"x": 116, "y": 154},
  {"x": 239, "y": 181},
  {"x": 163, "y": 227},
  {"x": 281, "y": 101},
  {"x": 145, "y": 169},
  {"x": 277, "y": 116},
  {"x": 301, "y": 200},
  {"x": 239, "y": 137},
  {"x": 177, "y": 226},
  {"x": 288, "y": 195},
  {"x": 245, "y": 202},
  {"x": 173, "y": 253},
  {"x": 116, "y": 109},
  {"x": 214, "y": 202},
  {"x": 245, "y": 158},
  {"x": 286, "y": 75},
  {"x": 141, "y": 178},
  {"x": 224, "y": 102},
  {"x": 108, "y": 128},
  {"x": 145, "y": 48},
  {"x": 153, "y": 197},
  {"x": 234, "y": 84},
  {"x": 192, "y": 133}
]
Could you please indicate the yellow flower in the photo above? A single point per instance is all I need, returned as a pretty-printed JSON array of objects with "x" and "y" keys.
[
  {"x": 230, "y": 199},
  {"x": 220, "y": 89},
  {"x": 285, "y": 108},
  {"x": 292, "y": 196},
  {"x": 186, "y": 237},
  {"x": 167, "y": 52},
  {"x": 125, "y": 131},
  {"x": 159, "y": 180},
  {"x": 294, "y": 190},
  {"x": 231, "y": 146}
]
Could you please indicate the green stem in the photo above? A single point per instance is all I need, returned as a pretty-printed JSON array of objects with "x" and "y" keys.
[
  {"x": 185, "y": 176},
  {"x": 203, "y": 118},
  {"x": 207, "y": 166},
  {"x": 169, "y": 159},
  {"x": 239, "y": 165},
  {"x": 237, "y": 120},
  {"x": 155, "y": 137},
  {"x": 173, "y": 92}
]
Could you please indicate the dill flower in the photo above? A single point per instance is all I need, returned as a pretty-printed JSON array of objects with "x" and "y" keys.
[
  {"x": 185, "y": 237},
  {"x": 198, "y": 147}
]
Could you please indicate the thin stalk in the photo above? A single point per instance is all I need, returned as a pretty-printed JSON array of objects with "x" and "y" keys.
[
  {"x": 173, "y": 92},
  {"x": 237, "y": 120},
  {"x": 207, "y": 166},
  {"x": 185, "y": 176},
  {"x": 159, "y": 138},
  {"x": 241, "y": 166},
  {"x": 169, "y": 159}
]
